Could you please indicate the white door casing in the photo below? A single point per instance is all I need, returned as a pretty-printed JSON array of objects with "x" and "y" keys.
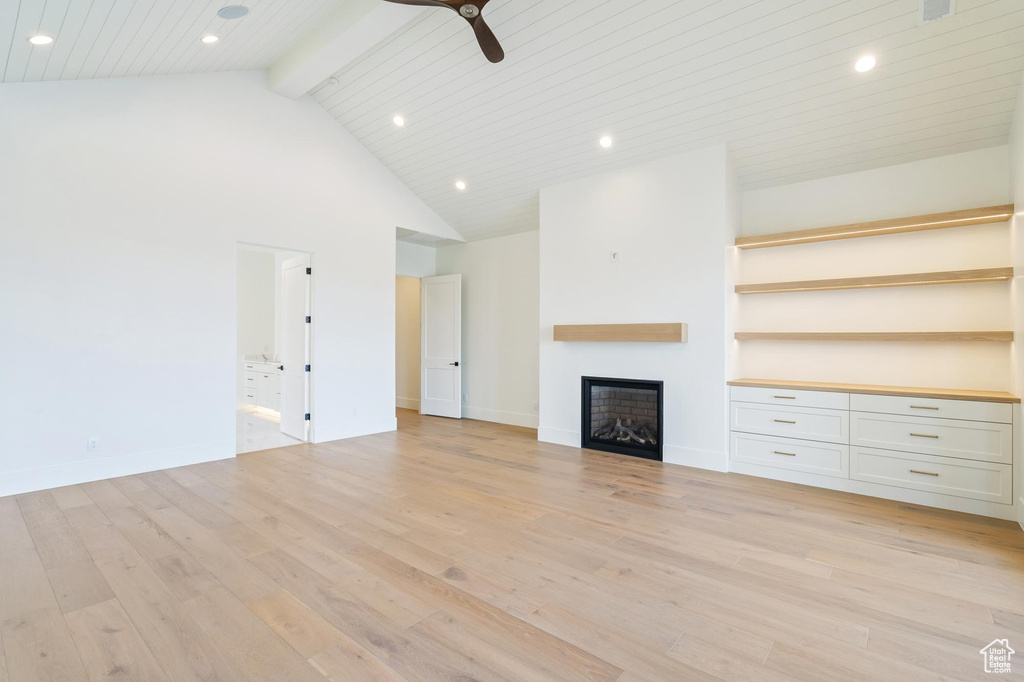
[
  {"x": 441, "y": 346},
  {"x": 295, "y": 347}
]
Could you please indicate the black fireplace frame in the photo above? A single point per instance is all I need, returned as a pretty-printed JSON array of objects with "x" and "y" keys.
[{"x": 645, "y": 384}]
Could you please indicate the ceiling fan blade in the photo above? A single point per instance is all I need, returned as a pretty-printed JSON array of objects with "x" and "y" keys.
[
  {"x": 424, "y": 3},
  {"x": 488, "y": 42}
]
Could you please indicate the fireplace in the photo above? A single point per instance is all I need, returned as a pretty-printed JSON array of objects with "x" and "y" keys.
[{"x": 623, "y": 416}]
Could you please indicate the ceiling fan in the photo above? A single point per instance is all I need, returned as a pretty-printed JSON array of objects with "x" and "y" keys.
[{"x": 470, "y": 11}]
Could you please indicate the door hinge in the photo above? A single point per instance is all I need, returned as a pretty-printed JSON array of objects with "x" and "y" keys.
[
  {"x": 307, "y": 416},
  {"x": 308, "y": 368},
  {"x": 309, "y": 319},
  {"x": 309, "y": 271}
]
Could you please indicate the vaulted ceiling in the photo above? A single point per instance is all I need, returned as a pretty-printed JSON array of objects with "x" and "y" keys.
[
  {"x": 772, "y": 79},
  {"x": 112, "y": 38}
]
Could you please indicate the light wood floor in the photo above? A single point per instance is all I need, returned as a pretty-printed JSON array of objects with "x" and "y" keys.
[{"x": 464, "y": 551}]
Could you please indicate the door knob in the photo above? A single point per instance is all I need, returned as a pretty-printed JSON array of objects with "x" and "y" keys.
[
  {"x": 281, "y": 367},
  {"x": 454, "y": 364}
]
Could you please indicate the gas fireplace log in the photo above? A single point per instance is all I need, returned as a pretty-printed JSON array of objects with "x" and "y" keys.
[{"x": 624, "y": 433}]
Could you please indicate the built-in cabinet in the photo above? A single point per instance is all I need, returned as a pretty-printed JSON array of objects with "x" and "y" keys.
[
  {"x": 261, "y": 385},
  {"x": 955, "y": 453}
]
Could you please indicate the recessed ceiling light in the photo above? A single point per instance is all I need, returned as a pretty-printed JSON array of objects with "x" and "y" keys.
[
  {"x": 399, "y": 121},
  {"x": 209, "y": 40},
  {"x": 865, "y": 64},
  {"x": 460, "y": 185},
  {"x": 40, "y": 40},
  {"x": 606, "y": 141},
  {"x": 232, "y": 12}
]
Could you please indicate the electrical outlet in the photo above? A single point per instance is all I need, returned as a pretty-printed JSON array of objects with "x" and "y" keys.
[
  {"x": 94, "y": 445},
  {"x": 536, "y": 406},
  {"x": 465, "y": 397}
]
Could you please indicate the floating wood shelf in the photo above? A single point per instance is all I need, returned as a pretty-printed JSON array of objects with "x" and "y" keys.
[
  {"x": 905, "y": 391},
  {"x": 933, "y": 221},
  {"x": 672, "y": 332},
  {"x": 875, "y": 336},
  {"x": 911, "y": 280}
]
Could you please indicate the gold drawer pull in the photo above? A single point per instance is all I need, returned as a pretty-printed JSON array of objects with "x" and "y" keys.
[
  {"x": 923, "y": 407},
  {"x": 785, "y": 397},
  {"x": 923, "y": 473},
  {"x": 787, "y": 454},
  {"x": 784, "y": 421},
  {"x": 923, "y": 435}
]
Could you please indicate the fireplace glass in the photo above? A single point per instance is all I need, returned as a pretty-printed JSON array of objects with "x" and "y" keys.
[{"x": 623, "y": 416}]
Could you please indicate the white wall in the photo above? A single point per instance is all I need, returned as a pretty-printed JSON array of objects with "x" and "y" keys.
[
  {"x": 280, "y": 257},
  {"x": 944, "y": 183},
  {"x": 415, "y": 260},
  {"x": 407, "y": 342},
  {"x": 256, "y": 317},
  {"x": 122, "y": 203},
  {"x": 672, "y": 221},
  {"x": 1016, "y": 155},
  {"x": 500, "y": 317},
  {"x": 968, "y": 180},
  {"x": 257, "y": 294}
]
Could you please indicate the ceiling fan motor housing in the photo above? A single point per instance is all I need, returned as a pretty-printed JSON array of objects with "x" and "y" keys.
[{"x": 469, "y": 11}]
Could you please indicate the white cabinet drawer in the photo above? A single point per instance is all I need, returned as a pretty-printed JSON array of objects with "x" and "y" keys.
[
  {"x": 980, "y": 441},
  {"x": 781, "y": 396},
  {"x": 961, "y": 478},
  {"x": 807, "y": 423},
  {"x": 251, "y": 379},
  {"x": 931, "y": 407},
  {"x": 261, "y": 367},
  {"x": 785, "y": 453}
]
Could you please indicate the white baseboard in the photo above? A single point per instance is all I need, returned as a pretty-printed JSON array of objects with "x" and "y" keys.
[
  {"x": 700, "y": 459},
  {"x": 499, "y": 416},
  {"x": 362, "y": 429},
  {"x": 673, "y": 454},
  {"x": 72, "y": 473},
  {"x": 546, "y": 434},
  {"x": 408, "y": 403}
]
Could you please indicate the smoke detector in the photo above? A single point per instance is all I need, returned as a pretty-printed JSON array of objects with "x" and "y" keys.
[{"x": 933, "y": 10}]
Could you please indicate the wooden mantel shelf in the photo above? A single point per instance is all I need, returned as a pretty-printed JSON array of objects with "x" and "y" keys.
[
  {"x": 905, "y": 391},
  {"x": 671, "y": 332},
  {"x": 917, "y": 223},
  {"x": 876, "y": 336}
]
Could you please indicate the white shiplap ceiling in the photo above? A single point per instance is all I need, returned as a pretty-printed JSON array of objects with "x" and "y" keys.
[
  {"x": 112, "y": 38},
  {"x": 772, "y": 78}
]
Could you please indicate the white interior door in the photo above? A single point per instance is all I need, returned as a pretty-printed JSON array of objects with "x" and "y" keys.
[
  {"x": 441, "y": 346},
  {"x": 295, "y": 347}
]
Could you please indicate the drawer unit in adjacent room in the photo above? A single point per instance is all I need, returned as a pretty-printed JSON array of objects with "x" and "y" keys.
[
  {"x": 980, "y": 441},
  {"x": 944, "y": 475},
  {"x": 261, "y": 385},
  {"x": 807, "y": 423}
]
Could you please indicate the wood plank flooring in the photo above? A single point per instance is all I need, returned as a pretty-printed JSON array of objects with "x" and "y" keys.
[{"x": 464, "y": 551}]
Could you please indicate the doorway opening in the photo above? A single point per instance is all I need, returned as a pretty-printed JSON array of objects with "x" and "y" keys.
[
  {"x": 428, "y": 331},
  {"x": 274, "y": 371}
]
